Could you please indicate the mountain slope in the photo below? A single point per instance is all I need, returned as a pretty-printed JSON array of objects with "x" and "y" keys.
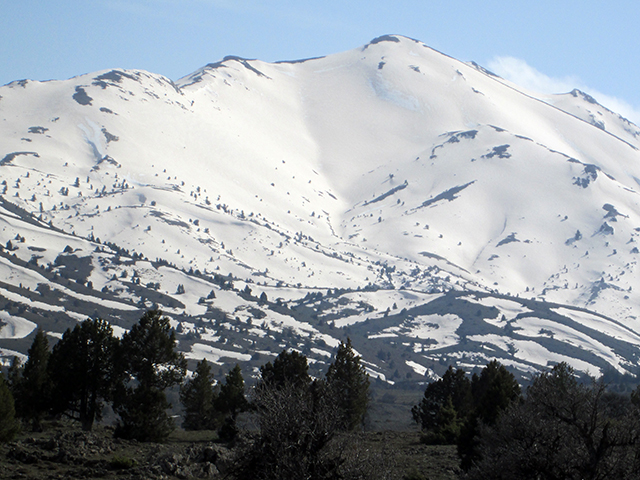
[{"x": 431, "y": 210}]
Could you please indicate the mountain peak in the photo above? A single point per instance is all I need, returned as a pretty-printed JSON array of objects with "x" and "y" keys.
[
  {"x": 585, "y": 96},
  {"x": 390, "y": 38},
  {"x": 414, "y": 202}
]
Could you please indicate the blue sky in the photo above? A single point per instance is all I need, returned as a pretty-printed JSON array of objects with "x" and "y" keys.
[{"x": 548, "y": 45}]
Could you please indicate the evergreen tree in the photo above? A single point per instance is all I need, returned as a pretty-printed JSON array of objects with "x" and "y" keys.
[
  {"x": 231, "y": 401},
  {"x": 348, "y": 381},
  {"x": 287, "y": 368},
  {"x": 449, "y": 425},
  {"x": 147, "y": 365},
  {"x": 33, "y": 388},
  {"x": 563, "y": 429},
  {"x": 453, "y": 388},
  {"x": 14, "y": 374},
  {"x": 197, "y": 396},
  {"x": 143, "y": 415},
  {"x": 81, "y": 369},
  {"x": 9, "y": 426},
  {"x": 493, "y": 392}
]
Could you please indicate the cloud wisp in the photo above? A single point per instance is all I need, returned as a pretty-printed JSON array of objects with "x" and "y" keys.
[{"x": 521, "y": 73}]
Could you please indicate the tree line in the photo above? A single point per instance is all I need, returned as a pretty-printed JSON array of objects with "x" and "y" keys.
[
  {"x": 89, "y": 368},
  {"x": 562, "y": 428},
  {"x": 558, "y": 428}
]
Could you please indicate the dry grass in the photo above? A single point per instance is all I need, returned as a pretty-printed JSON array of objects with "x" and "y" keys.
[{"x": 63, "y": 451}]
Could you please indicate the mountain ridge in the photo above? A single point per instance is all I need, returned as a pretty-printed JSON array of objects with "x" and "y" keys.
[{"x": 375, "y": 177}]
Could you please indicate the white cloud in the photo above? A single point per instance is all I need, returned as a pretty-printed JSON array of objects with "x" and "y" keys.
[{"x": 521, "y": 73}]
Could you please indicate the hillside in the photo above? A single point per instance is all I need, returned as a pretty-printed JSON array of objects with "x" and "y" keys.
[{"x": 428, "y": 209}]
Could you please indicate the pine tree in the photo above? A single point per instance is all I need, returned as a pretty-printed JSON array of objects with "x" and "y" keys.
[
  {"x": 493, "y": 392},
  {"x": 197, "y": 396},
  {"x": 287, "y": 368},
  {"x": 14, "y": 374},
  {"x": 33, "y": 388},
  {"x": 454, "y": 387},
  {"x": 81, "y": 369},
  {"x": 231, "y": 401},
  {"x": 147, "y": 365},
  {"x": 143, "y": 415},
  {"x": 9, "y": 426},
  {"x": 449, "y": 425},
  {"x": 348, "y": 380}
]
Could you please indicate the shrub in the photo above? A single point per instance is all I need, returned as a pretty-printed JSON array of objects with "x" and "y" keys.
[{"x": 122, "y": 463}]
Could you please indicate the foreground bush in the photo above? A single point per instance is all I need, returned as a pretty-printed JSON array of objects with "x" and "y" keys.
[
  {"x": 562, "y": 430},
  {"x": 300, "y": 420}
]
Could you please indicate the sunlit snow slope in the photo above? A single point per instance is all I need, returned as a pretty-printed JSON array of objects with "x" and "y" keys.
[{"x": 390, "y": 193}]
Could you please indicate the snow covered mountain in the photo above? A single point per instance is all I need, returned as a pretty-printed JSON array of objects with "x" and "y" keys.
[{"x": 430, "y": 210}]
